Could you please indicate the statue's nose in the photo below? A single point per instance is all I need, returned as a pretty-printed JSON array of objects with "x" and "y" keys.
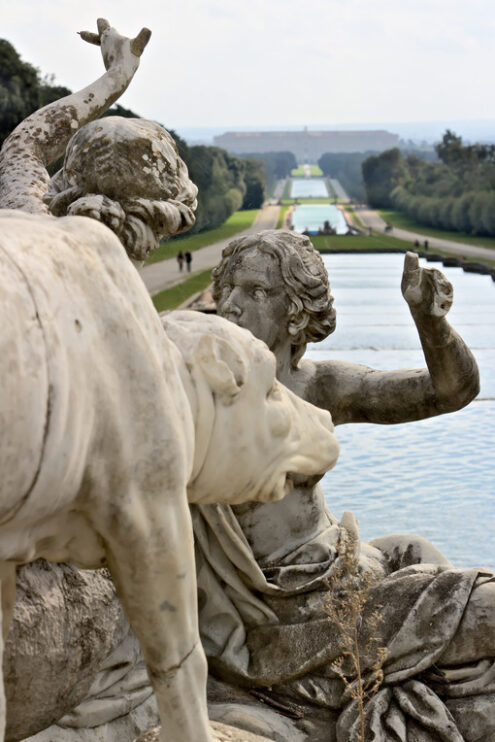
[{"x": 231, "y": 305}]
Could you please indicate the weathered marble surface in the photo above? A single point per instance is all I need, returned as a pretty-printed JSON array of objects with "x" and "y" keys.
[
  {"x": 110, "y": 426},
  {"x": 275, "y": 634},
  {"x": 43, "y": 136},
  {"x": 269, "y": 570},
  {"x": 152, "y": 420},
  {"x": 125, "y": 173},
  {"x": 96, "y": 395}
]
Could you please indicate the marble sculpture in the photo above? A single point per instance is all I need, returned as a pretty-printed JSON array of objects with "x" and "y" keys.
[
  {"x": 272, "y": 571},
  {"x": 111, "y": 423}
]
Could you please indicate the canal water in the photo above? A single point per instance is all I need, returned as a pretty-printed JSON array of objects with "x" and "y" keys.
[
  {"x": 433, "y": 477},
  {"x": 309, "y": 188},
  {"x": 312, "y": 217}
]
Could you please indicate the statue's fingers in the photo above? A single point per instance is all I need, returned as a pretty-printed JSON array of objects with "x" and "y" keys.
[
  {"x": 411, "y": 262},
  {"x": 411, "y": 275},
  {"x": 102, "y": 25},
  {"x": 91, "y": 38},
  {"x": 440, "y": 291},
  {"x": 139, "y": 42},
  {"x": 442, "y": 284}
]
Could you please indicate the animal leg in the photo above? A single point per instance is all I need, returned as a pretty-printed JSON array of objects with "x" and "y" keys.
[
  {"x": 151, "y": 558},
  {"x": 7, "y": 587}
]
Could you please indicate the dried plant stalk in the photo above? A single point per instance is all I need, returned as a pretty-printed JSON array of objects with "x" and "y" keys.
[{"x": 348, "y": 593}]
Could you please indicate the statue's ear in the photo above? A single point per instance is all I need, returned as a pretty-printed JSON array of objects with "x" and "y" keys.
[{"x": 222, "y": 366}]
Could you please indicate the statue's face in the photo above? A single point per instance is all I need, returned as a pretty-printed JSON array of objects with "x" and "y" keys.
[{"x": 253, "y": 295}]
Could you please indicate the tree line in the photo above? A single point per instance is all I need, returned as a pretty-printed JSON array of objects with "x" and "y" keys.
[
  {"x": 346, "y": 168},
  {"x": 456, "y": 192},
  {"x": 277, "y": 165},
  {"x": 226, "y": 183}
]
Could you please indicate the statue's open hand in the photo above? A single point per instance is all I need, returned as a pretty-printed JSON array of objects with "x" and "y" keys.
[
  {"x": 115, "y": 48},
  {"x": 426, "y": 290}
]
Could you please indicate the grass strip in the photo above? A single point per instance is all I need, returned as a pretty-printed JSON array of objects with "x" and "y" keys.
[
  {"x": 297, "y": 172},
  {"x": 176, "y": 295},
  {"x": 327, "y": 200},
  {"x": 300, "y": 172},
  {"x": 338, "y": 243},
  {"x": 401, "y": 221},
  {"x": 377, "y": 242},
  {"x": 281, "y": 217},
  {"x": 287, "y": 188},
  {"x": 315, "y": 170},
  {"x": 354, "y": 217},
  {"x": 236, "y": 223}
]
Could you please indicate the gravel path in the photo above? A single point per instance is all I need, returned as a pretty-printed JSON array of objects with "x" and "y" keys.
[
  {"x": 371, "y": 219},
  {"x": 163, "y": 275}
]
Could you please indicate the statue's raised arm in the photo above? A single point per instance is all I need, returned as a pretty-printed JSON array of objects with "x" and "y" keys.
[
  {"x": 451, "y": 377},
  {"x": 42, "y": 137}
]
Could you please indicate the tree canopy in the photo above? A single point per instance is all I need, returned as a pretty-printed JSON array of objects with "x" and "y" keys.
[
  {"x": 22, "y": 89},
  {"x": 457, "y": 192},
  {"x": 277, "y": 165}
]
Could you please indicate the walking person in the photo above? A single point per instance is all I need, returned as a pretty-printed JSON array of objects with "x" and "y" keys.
[
  {"x": 188, "y": 257},
  {"x": 180, "y": 260}
]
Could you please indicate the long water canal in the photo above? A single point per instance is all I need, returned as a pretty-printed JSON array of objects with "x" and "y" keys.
[{"x": 433, "y": 477}]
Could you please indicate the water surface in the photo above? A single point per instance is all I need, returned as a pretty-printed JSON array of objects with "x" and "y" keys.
[
  {"x": 312, "y": 217},
  {"x": 309, "y": 188},
  {"x": 433, "y": 477}
]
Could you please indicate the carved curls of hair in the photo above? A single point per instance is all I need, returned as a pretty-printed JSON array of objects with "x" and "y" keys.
[
  {"x": 138, "y": 222},
  {"x": 311, "y": 315},
  {"x": 111, "y": 165}
]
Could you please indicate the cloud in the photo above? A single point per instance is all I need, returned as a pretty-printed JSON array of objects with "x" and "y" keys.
[{"x": 261, "y": 62}]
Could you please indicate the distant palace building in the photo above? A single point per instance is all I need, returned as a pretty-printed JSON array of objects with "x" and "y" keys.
[{"x": 307, "y": 146}]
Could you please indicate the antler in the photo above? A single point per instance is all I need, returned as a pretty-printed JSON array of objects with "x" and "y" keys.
[{"x": 138, "y": 43}]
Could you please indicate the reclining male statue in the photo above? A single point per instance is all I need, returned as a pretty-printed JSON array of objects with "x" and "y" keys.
[
  {"x": 270, "y": 574},
  {"x": 109, "y": 424}
]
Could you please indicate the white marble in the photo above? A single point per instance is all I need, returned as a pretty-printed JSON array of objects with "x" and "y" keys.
[
  {"x": 109, "y": 424},
  {"x": 128, "y": 422}
]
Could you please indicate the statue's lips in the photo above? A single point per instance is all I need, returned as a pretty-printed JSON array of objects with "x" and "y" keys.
[{"x": 234, "y": 319}]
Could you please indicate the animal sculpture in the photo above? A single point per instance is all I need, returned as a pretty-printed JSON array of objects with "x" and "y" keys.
[{"x": 112, "y": 420}]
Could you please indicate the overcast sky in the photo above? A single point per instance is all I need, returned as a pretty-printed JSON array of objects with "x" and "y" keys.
[{"x": 277, "y": 62}]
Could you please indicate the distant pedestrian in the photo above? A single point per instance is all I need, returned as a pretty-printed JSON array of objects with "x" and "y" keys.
[
  {"x": 416, "y": 243},
  {"x": 188, "y": 257},
  {"x": 180, "y": 260},
  {"x": 425, "y": 244}
]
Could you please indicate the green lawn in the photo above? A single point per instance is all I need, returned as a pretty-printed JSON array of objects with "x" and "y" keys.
[
  {"x": 358, "y": 242},
  {"x": 176, "y": 295},
  {"x": 354, "y": 217},
  {"x": 281, "y": 216},
  {"x": 287, "y": 187},
  {"x": 336, "y": 243},
  {"x": 236, "y": 223},
  {"x": 314, "y": 170},
  {"x": 400, "y": 220},
  {"x": 297, "y": 172}
]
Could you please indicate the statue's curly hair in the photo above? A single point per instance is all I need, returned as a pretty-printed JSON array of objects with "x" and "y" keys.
[
  {"x": 311, "y": 315},
  {"x": 126, "y": 173}
]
